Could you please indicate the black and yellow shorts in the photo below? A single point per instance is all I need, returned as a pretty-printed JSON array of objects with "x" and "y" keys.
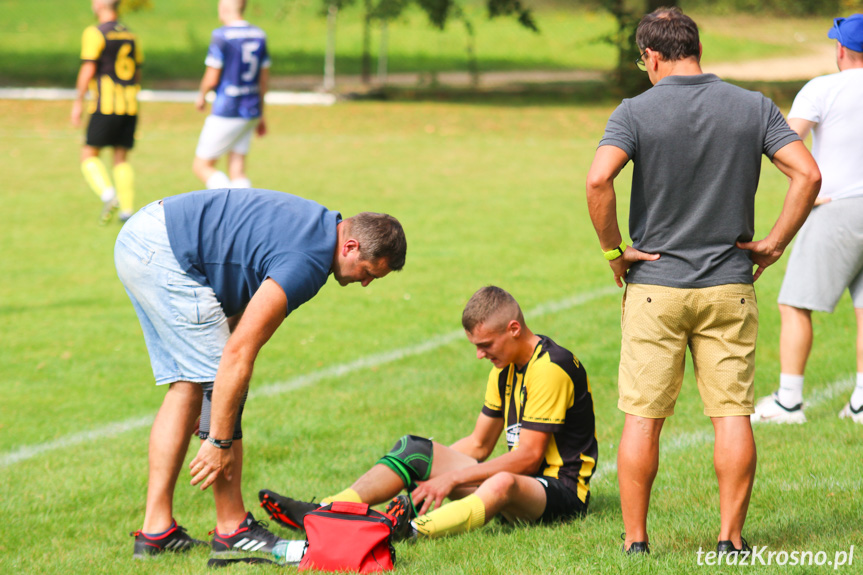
[
  {"x": 111, "y": 130},
  {"x": 561, "y": 502}
]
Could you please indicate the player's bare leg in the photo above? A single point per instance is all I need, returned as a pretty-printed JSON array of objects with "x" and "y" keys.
[
  {"x": 169, "y": 442},
  {"x": 637, "y": 464},
  {"x": 795, "y": 339},
  {"x": 518, "y": 497},
  {"x": 230, "y": 510},
  {"x": 237, "y": 170},
  {"x": 380, "y": 483},
  {"x": 206, "y": 171},
  {"x": 734, "y": 460}
]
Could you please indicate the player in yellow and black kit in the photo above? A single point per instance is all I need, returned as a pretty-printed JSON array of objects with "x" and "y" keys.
[
  {"x": 111, "y": 61},
  {"x": 538, "y": 394}
]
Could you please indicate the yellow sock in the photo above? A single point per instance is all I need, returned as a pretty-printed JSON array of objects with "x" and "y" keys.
[
  {"x": 97, "y": 177},
  {"x": 346, "y": 495},
  {"x": 456, "y": 517},
  {"x": 124, "y": 177}
]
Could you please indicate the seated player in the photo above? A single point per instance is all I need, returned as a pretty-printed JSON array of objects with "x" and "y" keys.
[{"x": 538, "y": 392}]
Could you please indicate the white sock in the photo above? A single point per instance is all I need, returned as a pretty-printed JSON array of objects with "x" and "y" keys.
[
  {"x": 218, "y": 180},
  {"x": 857, "y": 396},
  {"x": 241, "y": 183},
  {"x": 790, "y": 389},
  {"x": 108, "y": 195}
]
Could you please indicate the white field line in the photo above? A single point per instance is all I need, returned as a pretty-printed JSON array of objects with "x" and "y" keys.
[
  {"x": 691, "y": 439},
  {"x": 30, "y": 451},
  {"x": 183, "y": 96}
]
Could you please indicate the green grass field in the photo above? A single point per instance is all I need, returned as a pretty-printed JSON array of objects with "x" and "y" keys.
[
  {"x": 41, "y": 45},
  {"x": 487, "y": 194}
]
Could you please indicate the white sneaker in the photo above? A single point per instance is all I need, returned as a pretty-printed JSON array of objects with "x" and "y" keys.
[
  {"x": 855, "y": 415},
  {"x": 769, "y": 410},
  {"x": 109, "y": 208}
]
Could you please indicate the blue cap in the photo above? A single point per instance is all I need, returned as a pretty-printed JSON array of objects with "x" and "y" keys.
[{"x": 848, "y": 32}]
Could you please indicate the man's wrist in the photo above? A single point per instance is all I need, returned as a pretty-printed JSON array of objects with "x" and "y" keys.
[
  {"x": 220, "y": 443},
  {"x": 615, "y": 253}
]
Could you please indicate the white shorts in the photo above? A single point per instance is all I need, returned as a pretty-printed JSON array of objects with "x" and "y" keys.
[
  {"x": 222, "y": 135},
  {"x": 827, "y": 258}
]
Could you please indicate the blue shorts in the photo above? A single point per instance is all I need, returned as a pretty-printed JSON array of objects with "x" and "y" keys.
[{"x": 184, "y": 325}]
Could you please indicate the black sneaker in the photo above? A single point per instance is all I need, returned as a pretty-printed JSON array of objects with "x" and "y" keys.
[
  {"x": 175, "y": 540},
  {"x": 283, "y": 510},
  {"x": 728, "y": 547},
  {"x": 251, "y": 537},
  {"x": 402, "y": 510},
  {"x": 636, "y": 547}
]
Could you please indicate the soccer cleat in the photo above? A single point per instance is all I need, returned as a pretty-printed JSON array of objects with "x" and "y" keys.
[
  {"x": 175, "y": 540},
  {"x": 124, "y": 216},
  {"x": 855, "y": 415},
  {"x": 729, "y": 548},
  {"x": 283, "y": 510},
  {"x": 251, "y": 537},
  {"x": 109, "y": 208},
  {"x": 769, "y": 410},
  {"x": 402, "y": 510},
  {"x": 635, "y": 548}
]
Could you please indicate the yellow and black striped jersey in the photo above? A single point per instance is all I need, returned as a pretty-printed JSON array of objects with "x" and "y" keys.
[
  {"x": 118, "y": 57},
  {"x": 551, "y": 394}
]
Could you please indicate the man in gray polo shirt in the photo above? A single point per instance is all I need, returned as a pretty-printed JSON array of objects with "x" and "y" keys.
[{"x": 696, "y": 145}]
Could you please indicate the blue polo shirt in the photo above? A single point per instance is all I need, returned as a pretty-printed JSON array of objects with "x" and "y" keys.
[{"x": 232, "y": 240}]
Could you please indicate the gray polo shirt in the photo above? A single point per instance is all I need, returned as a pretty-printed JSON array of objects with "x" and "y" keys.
[{"x": 696, "y": 144}]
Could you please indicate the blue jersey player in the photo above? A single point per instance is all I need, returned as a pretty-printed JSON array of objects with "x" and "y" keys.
[{"x": 238, "y": 70}]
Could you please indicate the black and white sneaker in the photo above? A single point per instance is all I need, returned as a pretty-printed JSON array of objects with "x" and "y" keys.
[
  {"x": 252, "y": 537},
  {"x": 855, "y": 415},
  {"x": 174, "y": 540},
  {"x": 283, "y": 510}
]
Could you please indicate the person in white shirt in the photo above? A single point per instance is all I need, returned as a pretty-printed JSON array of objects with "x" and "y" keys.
[{"x": 828, "y": 255}]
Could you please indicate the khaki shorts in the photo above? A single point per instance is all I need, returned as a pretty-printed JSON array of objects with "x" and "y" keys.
[{"x": 719, "y": 325}]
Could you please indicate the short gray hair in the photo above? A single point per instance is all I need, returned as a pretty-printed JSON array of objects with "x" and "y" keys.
[{"x": 379, "y": 236}]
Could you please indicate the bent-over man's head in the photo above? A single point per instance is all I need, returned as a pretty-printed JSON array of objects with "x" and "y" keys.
[
  {"x": 494, "y": 323},
  {"x": 369, "y": 246},
  {"x": 670, "y": 33}
]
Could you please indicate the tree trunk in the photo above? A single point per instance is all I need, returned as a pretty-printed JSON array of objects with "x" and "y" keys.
[
  {"x": 629, "y": 80},
  {"x": 367, "y": 44}
]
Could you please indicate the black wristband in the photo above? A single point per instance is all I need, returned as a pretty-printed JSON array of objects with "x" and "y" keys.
[{"x": 220, "y": 443}]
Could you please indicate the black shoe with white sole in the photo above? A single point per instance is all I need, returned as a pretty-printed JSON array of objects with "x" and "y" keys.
[{"x": 251, "y": 538}]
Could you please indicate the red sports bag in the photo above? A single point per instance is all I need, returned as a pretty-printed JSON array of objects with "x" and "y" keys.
[{"x": 348, "y": 537}]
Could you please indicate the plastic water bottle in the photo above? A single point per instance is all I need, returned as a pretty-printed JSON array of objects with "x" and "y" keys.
[{"x": 289, "y": 552}]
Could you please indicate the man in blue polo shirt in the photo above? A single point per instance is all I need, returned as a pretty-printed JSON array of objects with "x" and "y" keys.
[
  {"x": 237, "y": 68},
  {"x": 211, "y": 275}
]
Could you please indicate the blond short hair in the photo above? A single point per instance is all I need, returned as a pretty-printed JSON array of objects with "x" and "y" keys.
[
  {"x": 492, "y": 306},
  {"x": 239, "y": 6}
]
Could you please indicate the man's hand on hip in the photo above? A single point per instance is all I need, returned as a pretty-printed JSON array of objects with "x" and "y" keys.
[
  {"x": 622, "y": 264},
  {"x": 762, "y": 253}
]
